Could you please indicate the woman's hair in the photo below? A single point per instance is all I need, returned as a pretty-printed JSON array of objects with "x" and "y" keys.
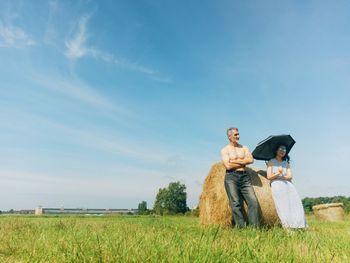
[{"x": 286, "y": 157}]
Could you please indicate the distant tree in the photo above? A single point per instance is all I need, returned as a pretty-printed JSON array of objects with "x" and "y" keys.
[
  {"x": 308, "y": 203},
  {"x": 142, "y": 208},
  {"x": 159, "y": 204},
  {"x": 171, "y": 200},
  {"x": 176, "y": 198}
]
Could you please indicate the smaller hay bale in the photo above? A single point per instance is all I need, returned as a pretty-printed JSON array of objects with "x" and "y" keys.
[
  {"x": 214, "y": 206},
  {"x": 329, "y": 212}
]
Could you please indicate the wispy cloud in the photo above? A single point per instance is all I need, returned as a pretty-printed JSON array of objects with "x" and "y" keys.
[
  {"x": 77, "y": 47},
  {"x": 78, "y": 90},
  {"x": 13, "y": 36},
  {"x": 109, "y": 142},
  {"x": 50, "y": 35},
  {"x": 117, "y": 145}
]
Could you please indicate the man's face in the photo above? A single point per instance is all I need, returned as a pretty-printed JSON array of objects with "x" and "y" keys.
[{"x": 233, "y": 136}]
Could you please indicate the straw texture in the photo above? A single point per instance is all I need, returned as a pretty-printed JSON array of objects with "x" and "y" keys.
[
  {"x": 214, "y": 205},
  {"x": 329, "y": 212}
]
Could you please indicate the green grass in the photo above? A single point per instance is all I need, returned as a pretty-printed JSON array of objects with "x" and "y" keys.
[{"x": 164, "y": 239}]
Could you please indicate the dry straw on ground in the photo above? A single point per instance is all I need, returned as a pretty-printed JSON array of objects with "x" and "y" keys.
[
  {"x": 214, "y": 206},
  {"x": 329, "y": 212}
]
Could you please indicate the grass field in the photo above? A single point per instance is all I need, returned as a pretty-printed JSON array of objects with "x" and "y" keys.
[{"x": 164, "y": 239}]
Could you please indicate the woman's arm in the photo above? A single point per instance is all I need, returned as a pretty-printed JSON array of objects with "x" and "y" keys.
[
  {"x": 289, "y": 175},
  {"x": 273, "y": 176}
]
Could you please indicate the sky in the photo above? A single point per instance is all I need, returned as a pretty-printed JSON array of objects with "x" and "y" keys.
[{"x": 104, "y": 102}]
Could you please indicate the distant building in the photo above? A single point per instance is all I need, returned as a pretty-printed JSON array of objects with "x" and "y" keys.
[
  {"x": 39, "y": 210},
  {"x": 26, "y": 211},
  {"x": 96, "y": 211}
]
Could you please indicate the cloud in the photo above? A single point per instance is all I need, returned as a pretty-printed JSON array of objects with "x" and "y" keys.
[
  {"x": 78, "y": 90},
  {"x": 13, "y": 36},
  {"x": 77, "y": 48},
  {"x": 113, "y": 144},
  {"x": 106, "y": 142},
  {"x": 50, "y": 35}
]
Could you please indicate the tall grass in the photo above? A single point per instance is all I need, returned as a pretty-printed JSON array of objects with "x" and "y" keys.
[{"x": 164, "y": 239}]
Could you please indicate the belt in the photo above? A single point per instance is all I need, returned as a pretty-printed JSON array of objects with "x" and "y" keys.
[{"x": 236, "y": 171}]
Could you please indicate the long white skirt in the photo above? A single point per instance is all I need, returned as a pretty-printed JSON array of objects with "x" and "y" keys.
[{"x": 288, "y": 204}]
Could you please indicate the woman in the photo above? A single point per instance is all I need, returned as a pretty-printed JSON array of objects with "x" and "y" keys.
[{"x": 287, "y": 201}]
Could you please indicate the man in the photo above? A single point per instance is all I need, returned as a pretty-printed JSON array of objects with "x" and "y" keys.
[{"x": 237, "y": 181}]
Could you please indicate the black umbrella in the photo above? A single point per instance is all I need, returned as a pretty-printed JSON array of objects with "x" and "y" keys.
[{"x": 266, "y": 149}]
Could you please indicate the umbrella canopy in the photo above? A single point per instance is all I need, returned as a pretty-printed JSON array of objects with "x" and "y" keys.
[{"x": 266, "y": 149}]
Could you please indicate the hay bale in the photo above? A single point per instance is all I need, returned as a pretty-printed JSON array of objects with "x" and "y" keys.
[
  {"x": 214, "y": 205},
  {"x": 329, "y": 212}
]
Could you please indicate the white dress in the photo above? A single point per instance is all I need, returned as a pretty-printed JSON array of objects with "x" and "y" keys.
[{"x": 287, "y": 201}]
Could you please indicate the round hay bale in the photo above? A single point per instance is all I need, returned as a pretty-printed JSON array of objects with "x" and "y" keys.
[
  {"x": 214, "y": 206},
  {"x": 329, "y": 212}
]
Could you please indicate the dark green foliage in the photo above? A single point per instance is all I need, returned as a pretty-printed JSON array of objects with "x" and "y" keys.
[
  {"x": 159, "y": 204},
  {"x": 142, "y": 208},
  {"x": 309, "y": 202},
  {"x": 171, "y": 200}
]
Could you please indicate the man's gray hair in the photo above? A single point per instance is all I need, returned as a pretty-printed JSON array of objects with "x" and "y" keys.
[{"x": 228, "y": 132}]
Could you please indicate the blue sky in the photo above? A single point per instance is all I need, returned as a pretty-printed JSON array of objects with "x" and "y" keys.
[{"x": 104, "y": 102}]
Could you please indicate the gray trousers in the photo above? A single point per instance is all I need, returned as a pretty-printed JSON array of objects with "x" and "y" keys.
[{"x": 238, "y": 188}]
